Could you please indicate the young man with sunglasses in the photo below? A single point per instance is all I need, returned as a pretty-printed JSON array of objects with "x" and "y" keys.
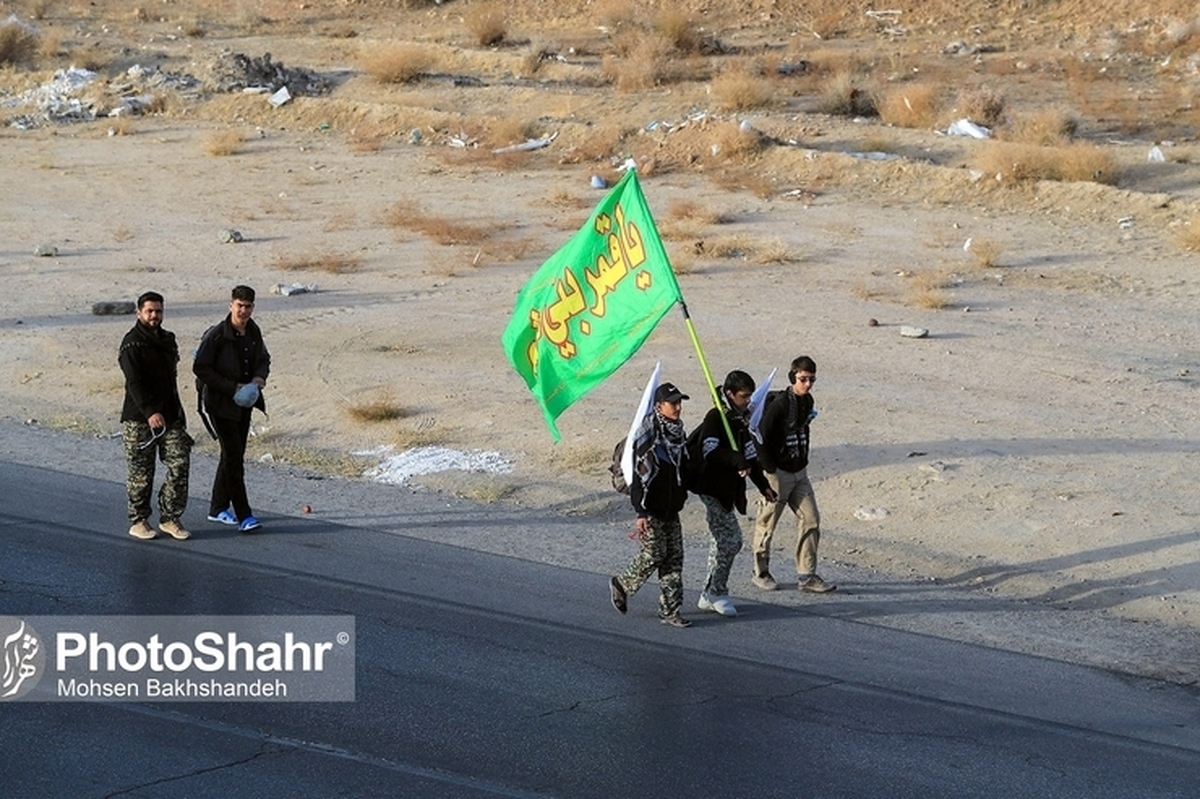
[{"x": 784, "y": 457}]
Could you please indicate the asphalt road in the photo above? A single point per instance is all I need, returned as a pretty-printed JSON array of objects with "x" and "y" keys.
[{"x": 485, "y": 675}]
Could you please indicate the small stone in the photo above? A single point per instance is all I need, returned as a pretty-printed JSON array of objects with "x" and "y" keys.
[
  {"x": 228, "y": 236},
  {"x": 46, "y": 251},
  {"x": 872, "y": 322},
  {"x": 913, "y": 332},
  {"x": 120, "y": 308}
]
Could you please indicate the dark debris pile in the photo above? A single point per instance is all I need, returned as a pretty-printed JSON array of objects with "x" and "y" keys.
[{"x": 238, "y": 71}]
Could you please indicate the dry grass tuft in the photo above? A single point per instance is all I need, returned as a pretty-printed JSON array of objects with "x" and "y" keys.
[
  {"x": 487, "y": 23},
  {"x": 1188, "y": 235},
  {"x": 986, "y": 252},
  {"x": 928, "y": 290},
  {"x": 333, "y": 263},
  {"x": 396, "y": 63},
  {"x": 742, "y": 88},
  {"x": 743, "y": 179},
  {"x": 410, "y": 215},
  {"x": 844, "y": 95},
  {"x": 366, "y": 139},
  {"x": 915, "y": 105},
  {"x": 18, "y": 44},
  {"x": 694, "y": 211},
  {"x": 1046, "y": 127},
  {"x": 732, "y": 144},
  {"x": 380, "y": 408},
  {"x": 648, "y": 63},
  {"x": 982, "y": 105},
  {"x": 223, "y": 142},
  {"x": 677, "y": 27},
  {"x": 773, "y": 251},
  {"x": 1067, "y": 163}
]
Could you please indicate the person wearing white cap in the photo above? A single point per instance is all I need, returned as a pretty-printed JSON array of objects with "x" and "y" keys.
[{"x": 232, "y": 365}]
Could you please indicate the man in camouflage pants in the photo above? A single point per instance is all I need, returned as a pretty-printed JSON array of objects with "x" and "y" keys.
[{"x": 153, "y": 422}]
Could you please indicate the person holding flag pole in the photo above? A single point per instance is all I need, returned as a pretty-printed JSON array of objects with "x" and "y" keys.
[{"x": 592, "y": 305}]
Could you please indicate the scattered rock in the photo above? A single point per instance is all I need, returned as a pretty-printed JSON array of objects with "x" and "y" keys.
[
  {"x": 46, "y": 251},
  {"x": 872, "y": 322},
  {"x": 229, "y": 236},
  {"x": 118, "y": 308},
  {"x": 913, "y": 332},
  {"x": 870, "y": 514},
  {"x": 295, "y": 288},
  {"x": 598, "y": 182}
]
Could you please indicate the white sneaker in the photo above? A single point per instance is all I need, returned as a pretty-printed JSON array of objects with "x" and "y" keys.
[
  {"x": 721, "y": 604},
  {"x": 724, "y": 606}
]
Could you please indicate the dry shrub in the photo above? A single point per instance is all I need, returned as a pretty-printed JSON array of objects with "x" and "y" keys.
[
  {"x": 395, "y": 63},
  {"x": 380, "y": 408},
  {"x": 844, "y": 95},
  {"x": 1069, "y": 162},
  {"x": 742, "y": 179},
  {"x": 613, "y": 15},
  {"x": 986, "y": 252},
  {"x": 677, "y": 27},
  {"x": 510, "y": 130},
  {"x": 733, "y": 144},
  {"x": 928, "y": 290},
  {"x": 18, "y": 44},
  {"x": 366, "y": 139},
  {"x": 982, "y": 104},
  {"x": 743, "y": 89},
  {"x": 877, "y": 142},
  {"x": 826, "y": 24},
  {"x": 562, "y": 198},
  {"x": 410, "y": 215},
  {"x": 914, "y": 105},
  {"x": 773, "y": 251},
  {"x": 223, "y": 142},
  {"x": 1047, "y": 126},
  {"x": 486, "y": 23},
  {"x": 694, "y": 211},
  {"x": 729, "y": 247},
  {"x": 683, "y": 260},
  {"x": 646, "y": 66},
  {"x": 1188, "y": 235},
  {"x": 51, "y": 43},
  {"x": 333, "y": 263},
  {"x": 194, "y": 29}
]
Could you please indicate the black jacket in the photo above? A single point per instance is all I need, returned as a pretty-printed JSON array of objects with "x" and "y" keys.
[
  {"x": 784, "y": 428},
  {"x": 664, "y": 496},
  {"x": 220, "y": 369},
  {"x": 150, "y": 360},
  {"x": 720, "y": 476}
]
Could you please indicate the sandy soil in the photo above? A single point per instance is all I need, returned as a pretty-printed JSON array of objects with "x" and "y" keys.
[{"x": 1039, "y": 444}]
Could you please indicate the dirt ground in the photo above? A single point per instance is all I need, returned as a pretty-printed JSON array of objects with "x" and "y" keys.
[{"x": 1039, "y": 444}]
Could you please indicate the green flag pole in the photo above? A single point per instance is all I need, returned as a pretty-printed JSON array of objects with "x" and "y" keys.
[{"x": 712, "y": 387}]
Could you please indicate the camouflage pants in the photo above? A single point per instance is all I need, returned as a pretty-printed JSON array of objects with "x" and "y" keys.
[
  {"x": 174, "y": 448},
  {"x": 662, "y": 550},
  {"x": 726, "y": 543}
]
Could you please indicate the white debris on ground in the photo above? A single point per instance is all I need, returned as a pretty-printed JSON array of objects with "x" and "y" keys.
[
  {"x": 397, "y": 469},
  {"x": 70, "y": 95}
]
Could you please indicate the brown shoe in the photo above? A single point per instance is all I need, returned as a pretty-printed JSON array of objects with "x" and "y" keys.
[
  {"x": 765, "y": 581},
  {"x": 815, "y": 585},
  {"x": 173, "y": 528},
  {"x": 140, "y": 529},
  {"x": 675, "y": 620},
  {"x": 619, "y": 597}
]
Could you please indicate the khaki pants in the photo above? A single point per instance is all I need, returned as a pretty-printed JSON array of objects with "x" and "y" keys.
[{"x": 794, "y": 492}]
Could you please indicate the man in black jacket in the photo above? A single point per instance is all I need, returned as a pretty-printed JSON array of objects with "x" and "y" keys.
[
  {"x": 784, "y": 456},
  {"x": 152, "y": 422},
  {"x": 232, "y": 364},
  {"x": 722, "y": 486},
  {"x": 658, "y": 494}
]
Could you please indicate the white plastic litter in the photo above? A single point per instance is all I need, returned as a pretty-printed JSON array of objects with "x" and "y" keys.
[
  {"x": 530, "y": 144},
  {"x": 1156, "y": 155},
  {"x": 397, "y": 469},
  {"x": 280, "y": 97},
  {"x": 965, "y": 127}
]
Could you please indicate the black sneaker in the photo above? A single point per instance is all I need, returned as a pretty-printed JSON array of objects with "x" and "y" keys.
[
  {"x": 675, "y": 620},
  {"x": 619, "y": 597}
]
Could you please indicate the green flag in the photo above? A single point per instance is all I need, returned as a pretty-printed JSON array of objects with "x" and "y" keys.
[{"x": 591, "y": 305}]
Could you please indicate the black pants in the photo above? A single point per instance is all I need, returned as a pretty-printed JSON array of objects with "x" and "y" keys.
[{"x": 229, "y": 485}]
